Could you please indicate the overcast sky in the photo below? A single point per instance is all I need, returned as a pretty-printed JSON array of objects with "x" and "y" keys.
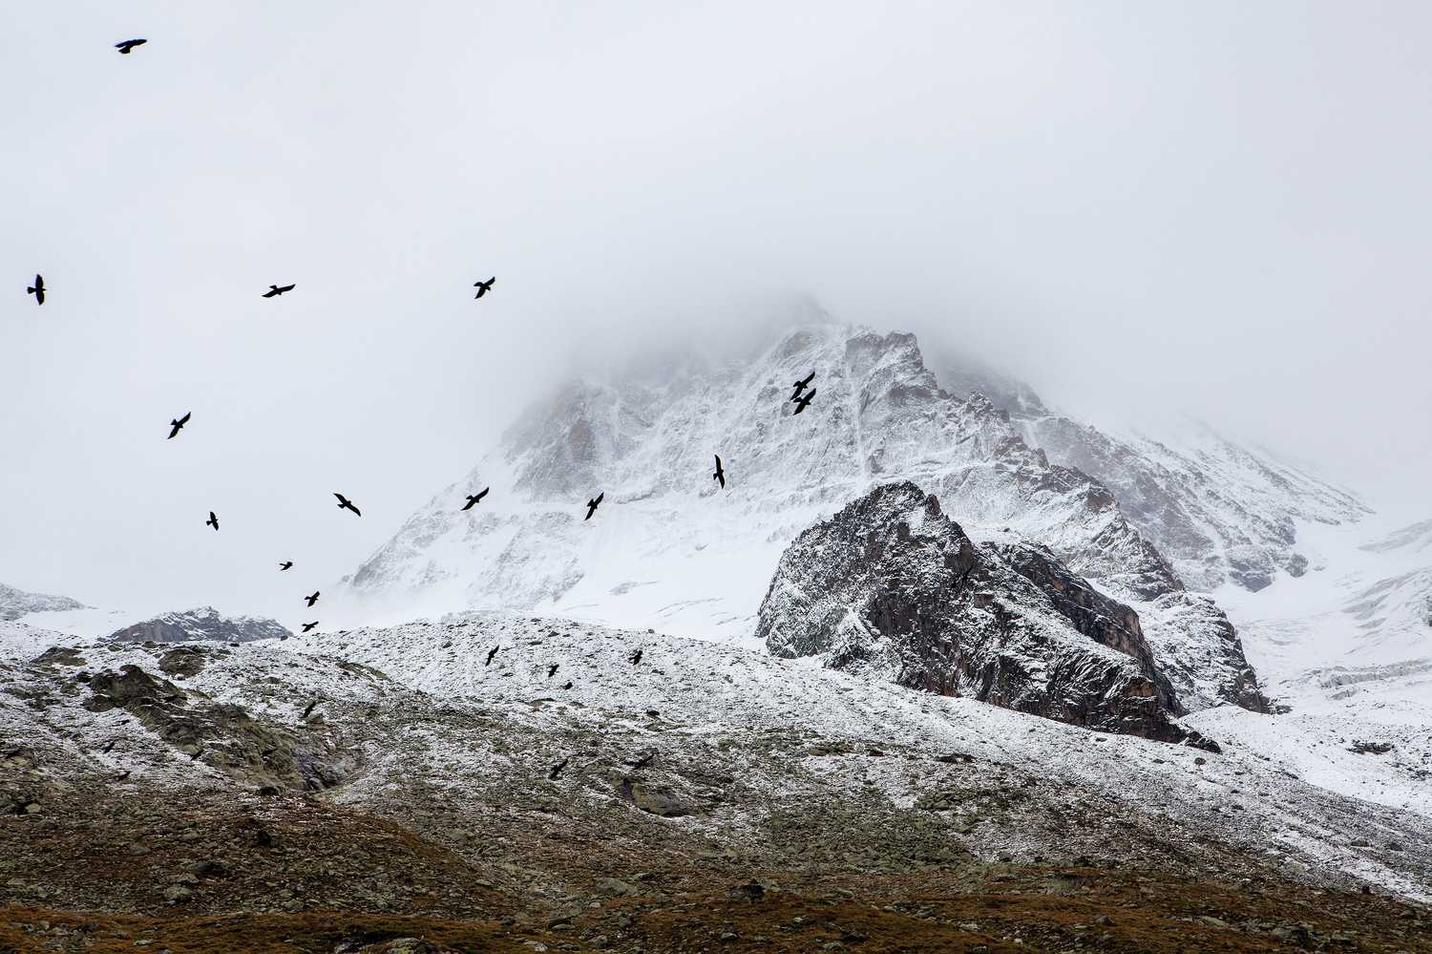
[{"x": 1221, "y": 208}]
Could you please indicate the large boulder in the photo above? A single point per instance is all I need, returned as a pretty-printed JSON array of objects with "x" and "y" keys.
[{"x": 892, "y": 587}]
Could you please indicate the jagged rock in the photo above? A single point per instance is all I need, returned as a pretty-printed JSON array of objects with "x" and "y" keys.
[
  {"x": 17, "y": 603},
  {"x": 891, "y": 586},
  {"x": 202, "y": 624}
]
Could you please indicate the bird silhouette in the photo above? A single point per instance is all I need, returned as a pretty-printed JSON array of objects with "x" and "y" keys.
[
  {"x": 124, "y": 46},
  {"x": 276, "y": 290},
  {"x": 491, "y": 654},
  {"x": 37, "y": 289},
  {"x": 804, "y": 402},
  {"x": 635, "y": 657},
  {"x": 568, "y": 685},
  {"x": 593, "y": 504},
  {"x": 312, "y": 599},
  {"x": 345, "y": 504},
  {"x": 474, "y": 499},
  {"x": 213, "y": 521},
  {"x": 557, "y": 769},
  {"x": 720, "y": 475},
  {"x": 309, "y": 626},
  {"x": 177, "y": 424},
  {"x": 552, "y": 670},
  {"x": 483, "y": 287},
  {"x": 802, "y": 385},
  {"x": 308, "y": 710},
  {"x": 285, "y": 565}
]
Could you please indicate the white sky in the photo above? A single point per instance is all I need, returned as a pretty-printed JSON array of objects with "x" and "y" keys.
[{"x": 1215, "y": 207}]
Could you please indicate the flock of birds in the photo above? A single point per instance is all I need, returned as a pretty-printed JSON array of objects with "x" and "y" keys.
[{"x": 802, "y": 396}]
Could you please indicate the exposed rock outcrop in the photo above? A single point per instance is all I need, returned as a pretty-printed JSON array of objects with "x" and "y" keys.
[
  {"x": 17, "y": 603},
  {"x": 893, "y": 587},
  {"x": 202, "y": 624}
]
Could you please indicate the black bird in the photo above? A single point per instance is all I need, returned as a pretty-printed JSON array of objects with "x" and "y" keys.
[
  {"x": 124, "y": 46},
  {"x": 568, "y": 685},
  {"x": 720, "y": 475},
  {"x": 491, "y": 655},
  {"x": 635, "y": 657},
  {"x": 310, "y": 708},
  {"x": 802, "y": 385},
  {"x": 213, "y": 521},
  {"x": 345, "y": 504},
  {"x": 483, "y": 287},
  {"x": 593, "y": 504},
  {"x": 552, "y": 670},
  {"x": 37, "y": 289},
  {"x": 276, "y": 290},
  {"x": 804, "y": 402},
  {"x": 309, "y": 626},
  {"x": 474, "y": 499},
  {"x": 285, "y": 565},
  {"x": 177, "y": 424},
  {"x": 557, "y": 769},
  {"x": 644, "y": 761},
  {"x": 312, "y": 599}
]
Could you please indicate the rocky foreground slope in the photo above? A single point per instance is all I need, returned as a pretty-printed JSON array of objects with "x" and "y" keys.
[{"x": 338, "y": 791}]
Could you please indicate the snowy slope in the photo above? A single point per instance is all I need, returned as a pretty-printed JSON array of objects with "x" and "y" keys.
[
  {"x": 1219, "y": 512},
  {"x": 670, "y": 550}
]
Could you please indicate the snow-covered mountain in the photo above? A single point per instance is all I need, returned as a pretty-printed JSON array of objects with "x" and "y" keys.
[
  {"x": 17, "y": 603},
  {"x": 669, "y": 549},
  {"x": 200, "y": 624}
]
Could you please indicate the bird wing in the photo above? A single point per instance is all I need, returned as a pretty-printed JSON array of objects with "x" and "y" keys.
[
  {"x": 39, "y": 296},
  {"x": 173, "y": 429},
  {"x": 185, "y": 419},
  {"x": 286, "y": 288}
]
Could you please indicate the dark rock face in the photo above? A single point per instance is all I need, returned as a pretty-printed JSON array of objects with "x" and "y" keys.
[
  {"x": 224, "y": 736},
  {"x": 205, "y": 623},
  {"x": 893, "y": 587},
  {"x": 1090, "y": 612}
]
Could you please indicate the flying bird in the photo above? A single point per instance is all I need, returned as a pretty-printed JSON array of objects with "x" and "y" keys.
[
  {"x": 483, "y": 287},
  {"x": 593, "y": 504},
  {"x": 345, "y": 504},
  {"x": 802, "y": 385},
  {"x": 491, "y": 654},
  {"x": 635, "y": 657},
  {"x": 568, "y": 685},
  {"x": 552, "y": 670},
  {"x": 720, "y": 475},
  {"x": 312, "y": 599},
  {"x": 124, "y": 46},
  {"x": 804, "y": 402},
  {"x": 309, "y": 626},
  {"x": 177, "y": 424},
  {"x": 276, "y": 290},
  {"x": 308, "y": 710},
  {"x": 557, "y": 769},
  {"x": 37, "y": 289},
  {"x": 475, "y": 499},
  {"x": 285, "y": 565},
  {"x": 213, "y": 521}
]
